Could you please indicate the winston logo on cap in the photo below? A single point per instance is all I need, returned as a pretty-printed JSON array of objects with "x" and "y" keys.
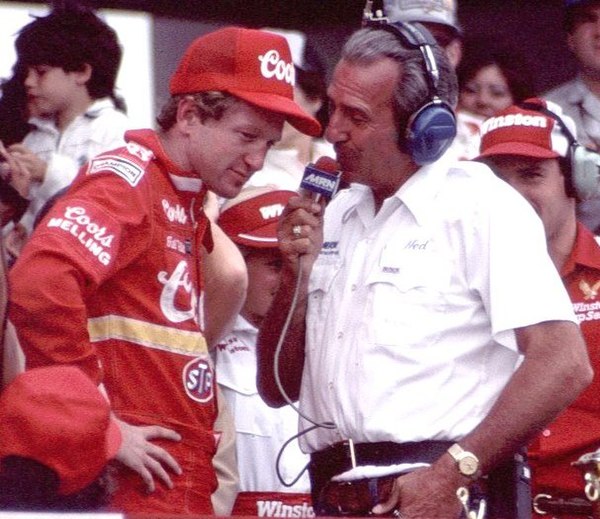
[
  {"x": 271, "y": 65},
  {"x": 502, "y": 121}
]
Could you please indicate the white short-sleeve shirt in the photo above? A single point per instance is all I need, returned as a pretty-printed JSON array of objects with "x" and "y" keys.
[{"x": 411, "y": 311}]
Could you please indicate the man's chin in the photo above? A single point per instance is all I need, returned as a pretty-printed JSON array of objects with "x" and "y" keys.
[{"x": 230, "y": 191}]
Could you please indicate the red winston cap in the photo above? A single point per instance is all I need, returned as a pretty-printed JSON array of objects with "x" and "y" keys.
[
  {"x": 252, "y": 217},
  {"x": 57, "y": 416},
  {"x": 254, "y": 65},
  {"x": 526, "y": 132}
]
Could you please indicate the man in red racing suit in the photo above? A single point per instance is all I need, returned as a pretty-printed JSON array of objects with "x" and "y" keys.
[{"x": 111, "y": 279}]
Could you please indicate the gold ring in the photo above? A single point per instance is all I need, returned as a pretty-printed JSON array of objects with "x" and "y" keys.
[{"x": 297, "y": 231}]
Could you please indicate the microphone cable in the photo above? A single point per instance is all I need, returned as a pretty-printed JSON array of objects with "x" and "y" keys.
[
  {"x": 320, "y": 179},
  {"x": 276, "y": 373}
]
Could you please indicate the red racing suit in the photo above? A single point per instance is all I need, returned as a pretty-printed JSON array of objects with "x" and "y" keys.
[
  {"x": 110, "y": 282},
  {"x": 576, "y": 430}
]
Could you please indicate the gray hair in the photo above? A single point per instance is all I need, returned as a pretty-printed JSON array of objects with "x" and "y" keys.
[
  {"x": 211, "y": 105},
  {"x": 413, "y": 90}
]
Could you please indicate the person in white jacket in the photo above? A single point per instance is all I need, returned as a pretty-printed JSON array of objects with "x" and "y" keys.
[{"x": 250, "y": 220}]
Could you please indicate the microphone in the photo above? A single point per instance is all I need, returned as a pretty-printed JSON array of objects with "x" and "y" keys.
[{"x": 321, "y": 179}]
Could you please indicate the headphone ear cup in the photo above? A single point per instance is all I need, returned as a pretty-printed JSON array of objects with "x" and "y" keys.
[
  {"x": 585, "y": 171},
  {"x": 430, "y": 132}
]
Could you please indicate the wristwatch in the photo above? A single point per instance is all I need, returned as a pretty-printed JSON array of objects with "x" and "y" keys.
[{"x": 467, "y": 462}]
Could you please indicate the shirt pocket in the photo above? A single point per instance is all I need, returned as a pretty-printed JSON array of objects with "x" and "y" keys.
[
  {"x": 407, "y": 302},
  {"x": 321, "y": 282},
  {"x": 250, "y": 414},
  {"x": 320, "y": 297}
]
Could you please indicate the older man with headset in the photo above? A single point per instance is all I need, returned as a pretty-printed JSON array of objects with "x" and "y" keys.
[{"x": 416, "y": 327}]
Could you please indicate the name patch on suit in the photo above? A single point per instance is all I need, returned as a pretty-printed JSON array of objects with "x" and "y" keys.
[{"x": 127, "y": 170}]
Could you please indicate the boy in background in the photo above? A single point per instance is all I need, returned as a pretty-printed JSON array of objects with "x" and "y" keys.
[{"x": 67, "y": 62}]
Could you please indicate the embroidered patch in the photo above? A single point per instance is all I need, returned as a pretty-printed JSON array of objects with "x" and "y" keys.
[
  {"x": 126, "y": 169},
  {"x": 94, "y": 231},
  {"x": 198, "y": 380},
  {"x": 589, "y": 291}
]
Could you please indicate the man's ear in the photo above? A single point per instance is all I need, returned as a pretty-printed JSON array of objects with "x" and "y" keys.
[
  {"x": 187, "y": 113},
  {"x": 83, "y": 76},
  {"x": 454, "y": 51}
]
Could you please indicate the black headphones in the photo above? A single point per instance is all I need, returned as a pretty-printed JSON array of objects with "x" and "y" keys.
[
  {"x": 432, "y": 128},
  {"x": 584, "y": 181}
]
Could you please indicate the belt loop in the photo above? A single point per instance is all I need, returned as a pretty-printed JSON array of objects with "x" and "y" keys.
[{"x": 350, "y": 443}]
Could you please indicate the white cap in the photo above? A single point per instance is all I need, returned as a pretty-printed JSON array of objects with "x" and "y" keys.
[
  {"x": 432, "y": 11},
  {"x": 297, "y": 42}
]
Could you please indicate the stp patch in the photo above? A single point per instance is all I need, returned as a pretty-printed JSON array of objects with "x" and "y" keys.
[{"x": 198, "y": 380}]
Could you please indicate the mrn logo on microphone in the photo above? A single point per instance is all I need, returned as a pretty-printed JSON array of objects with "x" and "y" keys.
[{"x": 321, "y": 182}]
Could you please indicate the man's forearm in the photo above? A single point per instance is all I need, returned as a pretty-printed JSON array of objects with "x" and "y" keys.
[
  {"x": 291, "y": 359},
  {"x": 555, "y": 370}
]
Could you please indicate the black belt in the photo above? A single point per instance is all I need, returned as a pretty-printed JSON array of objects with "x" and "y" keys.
[{"x": 343, "y": 456}]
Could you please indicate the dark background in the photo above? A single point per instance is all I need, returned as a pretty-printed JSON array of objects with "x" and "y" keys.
[{"x": 532, "y": 27}]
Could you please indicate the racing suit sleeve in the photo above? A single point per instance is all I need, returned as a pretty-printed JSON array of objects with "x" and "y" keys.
[{"x": 89, "y": 234}]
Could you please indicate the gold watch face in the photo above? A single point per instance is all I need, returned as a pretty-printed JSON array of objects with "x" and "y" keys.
[{"x": 468, "y": 465}]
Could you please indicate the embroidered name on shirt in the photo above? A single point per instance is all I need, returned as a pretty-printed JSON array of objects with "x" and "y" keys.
[
  {"x": 174, "y": 213},
  {"x": 232, "y": 345},
  {"x": 330, "y": 248},
  {"x": 176, "y": 244},
  {"x": 416, "y": 245}
]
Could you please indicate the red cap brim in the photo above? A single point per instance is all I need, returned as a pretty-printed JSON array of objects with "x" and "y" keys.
[
  {"x": 524, "y": 149},
  {"x": 264, "y": 237},
  {"x": 297, "y": 117}
]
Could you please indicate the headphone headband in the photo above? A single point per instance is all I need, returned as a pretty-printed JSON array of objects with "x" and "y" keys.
[
  {"x": 432, "y": 127},
  {"x": 583, "y": 182},
  {"x": 534, "y": 107}
]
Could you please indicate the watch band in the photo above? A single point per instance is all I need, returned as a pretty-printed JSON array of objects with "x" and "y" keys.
[{"x": 466, "y": 462}]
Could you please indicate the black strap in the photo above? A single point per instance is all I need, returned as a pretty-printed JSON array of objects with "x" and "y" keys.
[{"x": 547, "y": 504}]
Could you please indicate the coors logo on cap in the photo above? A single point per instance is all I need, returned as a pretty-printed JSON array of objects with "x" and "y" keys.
[
  {"x": 271, "y": 65},
  {"x": 255, "y": 66}
]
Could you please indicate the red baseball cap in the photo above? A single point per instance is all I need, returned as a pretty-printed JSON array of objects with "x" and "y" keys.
[
  {"x": 254, "y": 65},
  {"x": 526, "y": 132},
  {"x": 252, "y": 217},
  {"x": 57, "y": 416}
]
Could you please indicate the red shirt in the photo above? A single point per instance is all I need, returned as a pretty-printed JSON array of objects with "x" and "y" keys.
[
  {"x": 109, "y": 281},
  {"x": 576, "y": 431}
]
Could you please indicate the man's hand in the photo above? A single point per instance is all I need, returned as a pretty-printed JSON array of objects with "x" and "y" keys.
[
  {"x": 424, "y": 494},
  {"x": 16, "y": 172},
  {"x": 145, "y": 458},
  {"x": 15, "y": 240},
  {"x": 36, "y": 166},
  {"x": 300, "y": 233}
]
